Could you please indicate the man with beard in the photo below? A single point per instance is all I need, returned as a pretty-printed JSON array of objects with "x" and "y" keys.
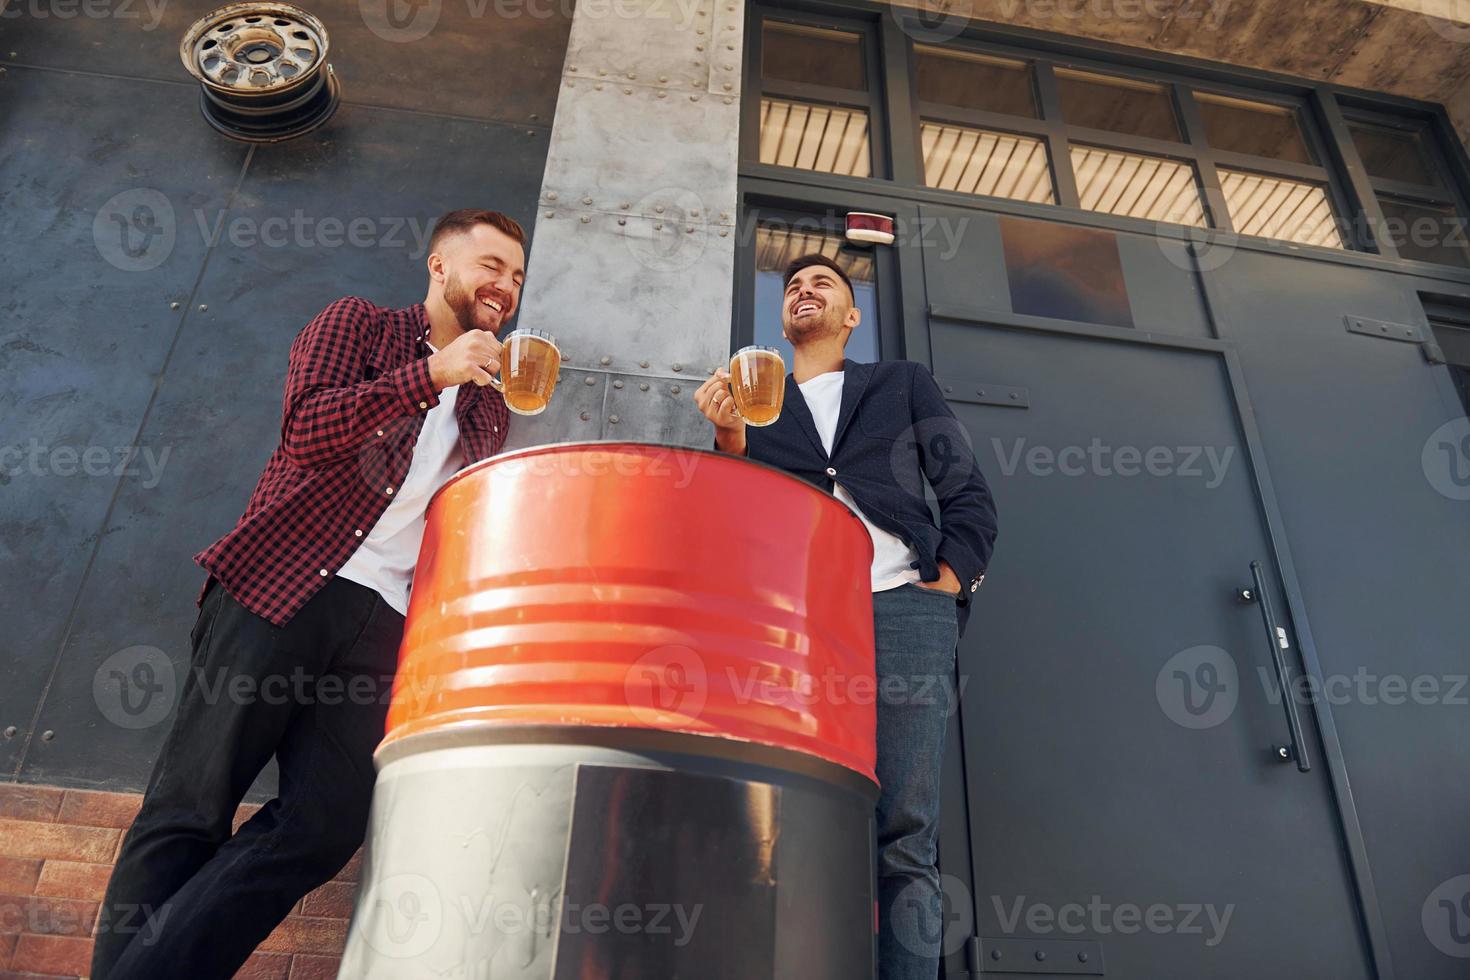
[
  {"x": 875, "y": 435},
  {"x": 300, "y": 618}
]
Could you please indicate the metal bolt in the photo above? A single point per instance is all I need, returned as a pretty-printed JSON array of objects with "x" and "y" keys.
[
  {"x": 658, "y": 226},
  {"x": 678, "y": 367},
  {"x": 643, "y": 387},
  {"x": 549, "y": 214},
  {"x": 624, "y": 205},
  {"x": 47, "y": 736},
  {"x": 1040, "y": 955},
  {"x": 551, "y": 195},
  {"x": 618, "y": 385},
  {"x": 663, "y": 95},
  {"x": 631, "y": 76},
  {"x": 174, "y": 306},
  {"x": 601, "y": 72},
  {"x": 699, "y": 47},
  {"x": 11, "y": 731},
  {"x": 693, "y": 98},
  {"x": 622, "y": 221},
  {"x": 663, "y": 78},
  {"x": 724, "y": 233},
  {"x": 659, "y": 208},
  {"x": 613, "y": 419},
  {"x": 604, "y": 361},
  {"x": 203, "y": 307},
  {"x": 729, "y": 101},
  {"x": 724, "y": 215},
  {"x": 689, "y": 230},
  {"x": 627, "y": 91},
  {"x": 1081, "y": 957},
  {"x": 585, "y": 416},
  {"x": 590, "y": 381},
  {"x": 995, "y": 954},
  {"x": 586, "y": 219},
  {"x": 643, "y": 364},
  {"x": 674, "y": 390},
  {"x": 598, "y": 86},
  {"x": 728, "y": 86}
]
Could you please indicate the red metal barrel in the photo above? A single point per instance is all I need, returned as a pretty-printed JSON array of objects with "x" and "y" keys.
[{"x": 632, "y": 733}]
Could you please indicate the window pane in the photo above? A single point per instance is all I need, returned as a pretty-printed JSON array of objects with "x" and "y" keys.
[
  {"x": 824, "y": 138},
  {"x": 775, "y": 246},
  {"x": 1454, "y": 340},
  {"x": 815, "y": 55},
  {"x": 976, "y": 81},
  {"x": 1426, "y": 232},
  {"x": 1121, "y": 105},
  {"x": 1274, "y": 207},
  {"x": 1253, "y": 127},
  {"x": 977, "y": 161},
  {"x": 1137, "y": 186},
  {"x": 1394, "y": 154}
]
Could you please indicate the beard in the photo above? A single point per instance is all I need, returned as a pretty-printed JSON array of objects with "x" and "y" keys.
[
  {"x": 468, "y": 311},
  {"x": 827, "y": 323}
]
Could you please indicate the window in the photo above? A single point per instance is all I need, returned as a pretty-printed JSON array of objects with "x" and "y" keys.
[
  {"x": 776, "y": 244},
  {"x": 976, "y": 161},
  {"x": 815, "y": 107},
  {"x": 1254, "y": 128},
  {"x": 812, "y": 56},
  {"x": 1154, "y": 188},
  {"x": 1118, "y": 105},
  {"x": 1277, "y": 207},
  {"x": 829, "y": 139},
  {"x": 968, "y": 80},
  {"x": 1421, "y": 215}
]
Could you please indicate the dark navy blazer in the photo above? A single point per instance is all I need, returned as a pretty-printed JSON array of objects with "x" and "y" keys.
[{"x": 895, "y": 436}]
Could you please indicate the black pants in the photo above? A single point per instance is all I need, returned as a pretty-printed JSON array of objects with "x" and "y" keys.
[{"x": 187, "y": 899}]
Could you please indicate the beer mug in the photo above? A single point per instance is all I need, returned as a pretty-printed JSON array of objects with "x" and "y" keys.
[
  {"x": 758, "y": 384},
  {"x": 529, "y": 364}
]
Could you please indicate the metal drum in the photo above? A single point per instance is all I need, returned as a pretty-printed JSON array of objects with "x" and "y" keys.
[{"x": 632, "y": 734}]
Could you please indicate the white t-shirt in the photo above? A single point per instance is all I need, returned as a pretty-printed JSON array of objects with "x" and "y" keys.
[
  {"x": 386, "y": 558},
  {"x": 892, "y": 559}
]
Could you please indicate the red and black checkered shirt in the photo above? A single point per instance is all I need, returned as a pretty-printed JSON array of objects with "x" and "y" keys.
[{"x": 357, "y": 391}]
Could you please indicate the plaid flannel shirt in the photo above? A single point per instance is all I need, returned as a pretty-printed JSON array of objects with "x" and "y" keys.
[{"x": 357, "y": 391}]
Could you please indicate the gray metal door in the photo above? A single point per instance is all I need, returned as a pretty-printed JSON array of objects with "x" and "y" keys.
[{"x": 1130, "y": 811}]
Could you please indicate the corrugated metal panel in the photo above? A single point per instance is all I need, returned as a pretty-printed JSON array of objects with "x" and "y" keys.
[
  {"x": 977, "y": 161},
  {"x": 827, "y": 139},
  {"x": 1136, "y": 186},
  {"x": 1275, "y": 207}
]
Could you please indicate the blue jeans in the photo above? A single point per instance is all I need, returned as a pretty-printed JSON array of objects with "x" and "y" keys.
[{"x": 916, "y": 631}]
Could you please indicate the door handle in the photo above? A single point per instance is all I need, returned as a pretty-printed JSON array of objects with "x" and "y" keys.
[{"x": 1277, "y": 639}]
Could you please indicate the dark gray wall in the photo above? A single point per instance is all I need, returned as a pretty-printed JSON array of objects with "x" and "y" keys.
[{"x": 174, "y": 338}]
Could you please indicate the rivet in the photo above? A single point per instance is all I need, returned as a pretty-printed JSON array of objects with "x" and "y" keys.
[
  {"x": 659, "y": 208},
  {"x": 631, "y": 76},
  {"x": 698, "y": 47},
  {"x": 643, "y": 364},
  {"x": 694, "y": 212},
  {"x": 729, "y": 67},
  {"x": 617, "y": 384},
  {"x": 601, "y": 73},
  {"x": 47, "y": 735},
  {"x": 549, "y": 214},
  {"x": 571, "y": 67},
  {"x": 658, "y": 226},
  {"x": 643, "y": 387},
  {"x": 678, "y": 367},
  {"x": 1081, "y": 957},
  {"x": 173, "y": 306},
  {"x": 203, "y": 307},
  {"x": 1014, "y": 396},
  {"x": 689, "y": 230},
  {"x": 663, "y": 95},
  {"x": 728, "y": 86},
  {"x": 729, "y": 101},
  {"x": 674, "y": 390},
  {"x": 693, "y": 98},
  {"x": 570, "y": 84},
  {"x": 551, "y": 195},
  {"x": 586, "y": 200},
  {"x": 1040, "y": 955},
  {"x": 625, "y": 205},
  {"x": 622, "y": 221},
  {"x": 995, "y": 954},
  {"x": 724, "y": 233},
  {"x": 590, "y": 381},
  {"x": 11, "y": 731},
  {"x": 627, "y": 91},
  {"x": 598, "y": 86},
  {"x": 700, "y": 31},
  {"x": 730, "y": 47},
  {"x": 724, "y": 215},
  {"x": 613, "y": 419},
  {"x": 585, "y": 416},
  {"x": 663, "y": 78},
  {"x": 604, "y": 361},
  {"x": 586, "y": 219}
]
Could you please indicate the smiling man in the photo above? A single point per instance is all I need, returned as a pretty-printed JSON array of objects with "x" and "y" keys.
[
  {"x": 876, "y": 435},
  {"x": 300, "y": 618}
]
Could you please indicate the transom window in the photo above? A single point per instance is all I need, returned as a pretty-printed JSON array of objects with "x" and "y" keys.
[{"x": 991, "y": 120}]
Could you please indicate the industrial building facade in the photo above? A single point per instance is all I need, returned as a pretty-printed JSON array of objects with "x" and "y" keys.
[{"x": 1194, "y": 277}]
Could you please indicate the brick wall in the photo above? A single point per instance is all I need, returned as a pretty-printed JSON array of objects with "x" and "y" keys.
[{"x": 56, "y": 852}]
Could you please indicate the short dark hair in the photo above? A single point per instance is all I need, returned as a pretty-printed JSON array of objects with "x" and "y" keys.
[
  {"x": 816, "y": 258},
  {"x": 466, "y": 218}
]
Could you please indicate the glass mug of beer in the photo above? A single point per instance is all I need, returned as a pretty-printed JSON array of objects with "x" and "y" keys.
[
  {"x": 758, "y": 384},
  {"x": 529, "y": 364}
]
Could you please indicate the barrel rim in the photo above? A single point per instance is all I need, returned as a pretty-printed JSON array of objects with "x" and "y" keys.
[{"x": 548, "y": 447}]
